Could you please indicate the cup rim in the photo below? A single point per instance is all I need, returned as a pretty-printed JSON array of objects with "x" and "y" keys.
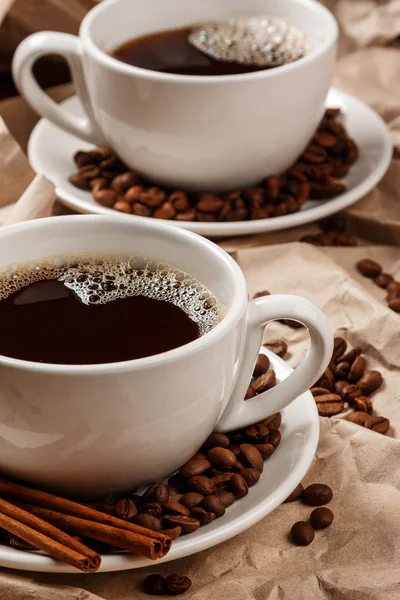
[
  {"x": 126, "y": 69},
  {"x": 230, "y": 319}
]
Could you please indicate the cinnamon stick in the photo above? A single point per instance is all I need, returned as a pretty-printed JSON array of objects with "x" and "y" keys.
[
  {"x": 43, "y": 542},
  {"x": 29, "y": 495},
  {"x": 121, "y": 538},
  {"x": 38, "y": 525}
]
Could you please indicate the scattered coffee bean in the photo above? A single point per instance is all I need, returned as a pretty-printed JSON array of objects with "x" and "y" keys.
[
  {"x": 201, "y": 484},
  {"x": 273, "y": 422},
  {"x": 216, "y": 440},
  {"x": 279, "y": 347},
  {"x": 357, "y": 369},
  {"x": 176, "y": 508},
  {"x": 363, "y": 404},
  {"x": 261, "y": 294},
  {"x": 227, "y": 498},
  {"x": 221, "y": 458},
  {"x": 191, "y": 499},
  {"x": 250, "y": 393},
  {"x": 321, "y": 517},
  {"x": 369, "y": 268},
  {"x": 317, "y": 494},
  {"x": 195, "y": 466},
  {"x": 154, "y": 585},
  {"x": 275, "y": 438},
  {"x": 383, "y": 280},
  {"x": 370, "y": 382},
  {"x": 339, "y": 348},
  {"x": 238, "y": 486},
  {"x": 252, "y": 456},
  {"x": 250, "y": 475},
  {"x": 265, "y": 382},
  {"x": 302, "y": 534},
  {"x": 266, "y": 450},
  {"x": 351, "y": 356},
  {"x": 262, "y": 365},
  {"x": 187, "y": 524},
  {"x": 394, "y": 304},
  {"x": 378, "y": 424},
  {"x": 158, "y": 492},
  {"x": 329, "y": 405},
  {"x": 296, "y": 494},
  {"x": 202, "y": 515},
  {"x": 214, "y": 505},
  {"x": 257, "y": 433},
  {"x": 125, "y": 509},
  {"x": 148, "y": 521},
  {"x": 177, "y": 584},
  {"x": 358, "y": 417},
  {"x": 172, "y": 533}
]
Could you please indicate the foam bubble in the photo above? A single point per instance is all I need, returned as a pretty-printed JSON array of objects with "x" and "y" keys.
[{"x": 103, "y": 279}]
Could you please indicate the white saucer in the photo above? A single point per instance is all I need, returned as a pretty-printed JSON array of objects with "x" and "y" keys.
[
  {"x": 50, "y": 152},
  {"x": 282, "y": 472}
]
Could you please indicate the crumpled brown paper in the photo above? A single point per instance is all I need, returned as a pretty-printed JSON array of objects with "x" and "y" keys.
[{"x": 358, "y": 557}]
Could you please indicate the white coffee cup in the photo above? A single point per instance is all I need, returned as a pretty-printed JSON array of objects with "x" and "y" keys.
[
  {"x": 87, "y": 429},
  {"x": 187, "y": 132}
]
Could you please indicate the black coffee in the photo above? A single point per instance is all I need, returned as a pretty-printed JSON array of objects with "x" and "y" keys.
[
  {"x": 170, "y": 52},
  {"x": 99, "y": 311}
]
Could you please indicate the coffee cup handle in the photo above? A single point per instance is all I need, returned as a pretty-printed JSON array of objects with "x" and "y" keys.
[
  {"x": 50, "y": 42},
  {"x": 240, "y": 413}
]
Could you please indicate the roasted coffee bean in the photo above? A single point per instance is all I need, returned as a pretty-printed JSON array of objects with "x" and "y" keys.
[
  {"x": 201, "y": 485},
  {"x": 203, "y": 516},
  {"x": 339, "y": 386},
  {"x": 82, "y": 159},
  {"x": 99, "y": 183},
  {"x": 250, "y": 393},
  {"x": 238, "y": 486},
  {"x": 148, "y": 521},
  {"x": 198, "y": 455},
  {"x": 214, "y": 505},
  {"x": 154, "y": 197},
  {"x": 151, "y": 508},
  {"x": 261, "y": 366},
  {"x": 257, "y": 433},
  {"x": 329, "y": 405},
  {"x": 221, "y": 458},
  {"x": 172, "y": 533},
  {"x": 325, "y": 139},
  {"x": 357, "y": 369},
  {"x": 351, "y": 391},
  {"x": 273, "y": 185},
  {"x": 165, "y": 211},
  {"x": 222, "y": 479},
  {"x": 393, "y": 290},
  {"x": 342, "y": 370},
  {"x": 291, "y": 323},
  {"x": 122, "y": 206},
  {"x": 327, "y": 380},
  {"x": 237, "y": 437},
  {"x": 210, "y": 203},
  {"x": 215, "y": 440},
  {"x": 369, "y": 268},
  {"x": 179, "y": 200},
  {"x": 20, "y": 544},
  {"x": 370, "y": 382},
  {"x": 275, "y": 438},
  {"x": 266, "y": 450},
  {"x": 105, "y": 197},
  {"x": 154, "y": 585},
  {"x": 134, "y": 194},
  {"x": 314, "y": 154},
  {"x": 251, "y": 475},
  {"x": 79, "y": 181},
  {"x": 252, "y": 456},
  {"x": 195, "y": 466},
  {"x": 358, "y": 417},
  {"x": 279, "y": 347},
  {"x": 125, "y": 509},
  {"x": 265, "y": 382},
  {"x": 89, "y": 172},
  {"x": 383, "y": 280},
  {"x": 351, "y": 356},
  {"x": 139, "y": 209},
  {"x": 321, "y": 518},
  {"x": 175, "y": 508},
  {"x": 261, "y": 294},
  {"x": 296, "y": 494},
  {"x": 227, "y": 498},
  {"x": 177, "y": 584},
  {"x": 319, "y": 391},
  {"x": 394, "y": 304},
  {"x": 378, "y": 424},
  {"x": 364, "y": 404},
  {"x": 159, "y": 492},
  {"x": 302, "y": 534},
  {"x": 175, "y": 496},
  {"x": 239, "y": 464},
  {"x": 214, "y": 472},
  {"x": 191, "y": 499},
  {"x": 121, "y": 183},
  {"x": 317, "y": 494},
  {"x": 187, "y": 524},
  {"x": 273, "y": 422}
]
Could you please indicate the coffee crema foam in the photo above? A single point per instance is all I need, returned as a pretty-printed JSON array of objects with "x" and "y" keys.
[{"x": 99, "y": 279}]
